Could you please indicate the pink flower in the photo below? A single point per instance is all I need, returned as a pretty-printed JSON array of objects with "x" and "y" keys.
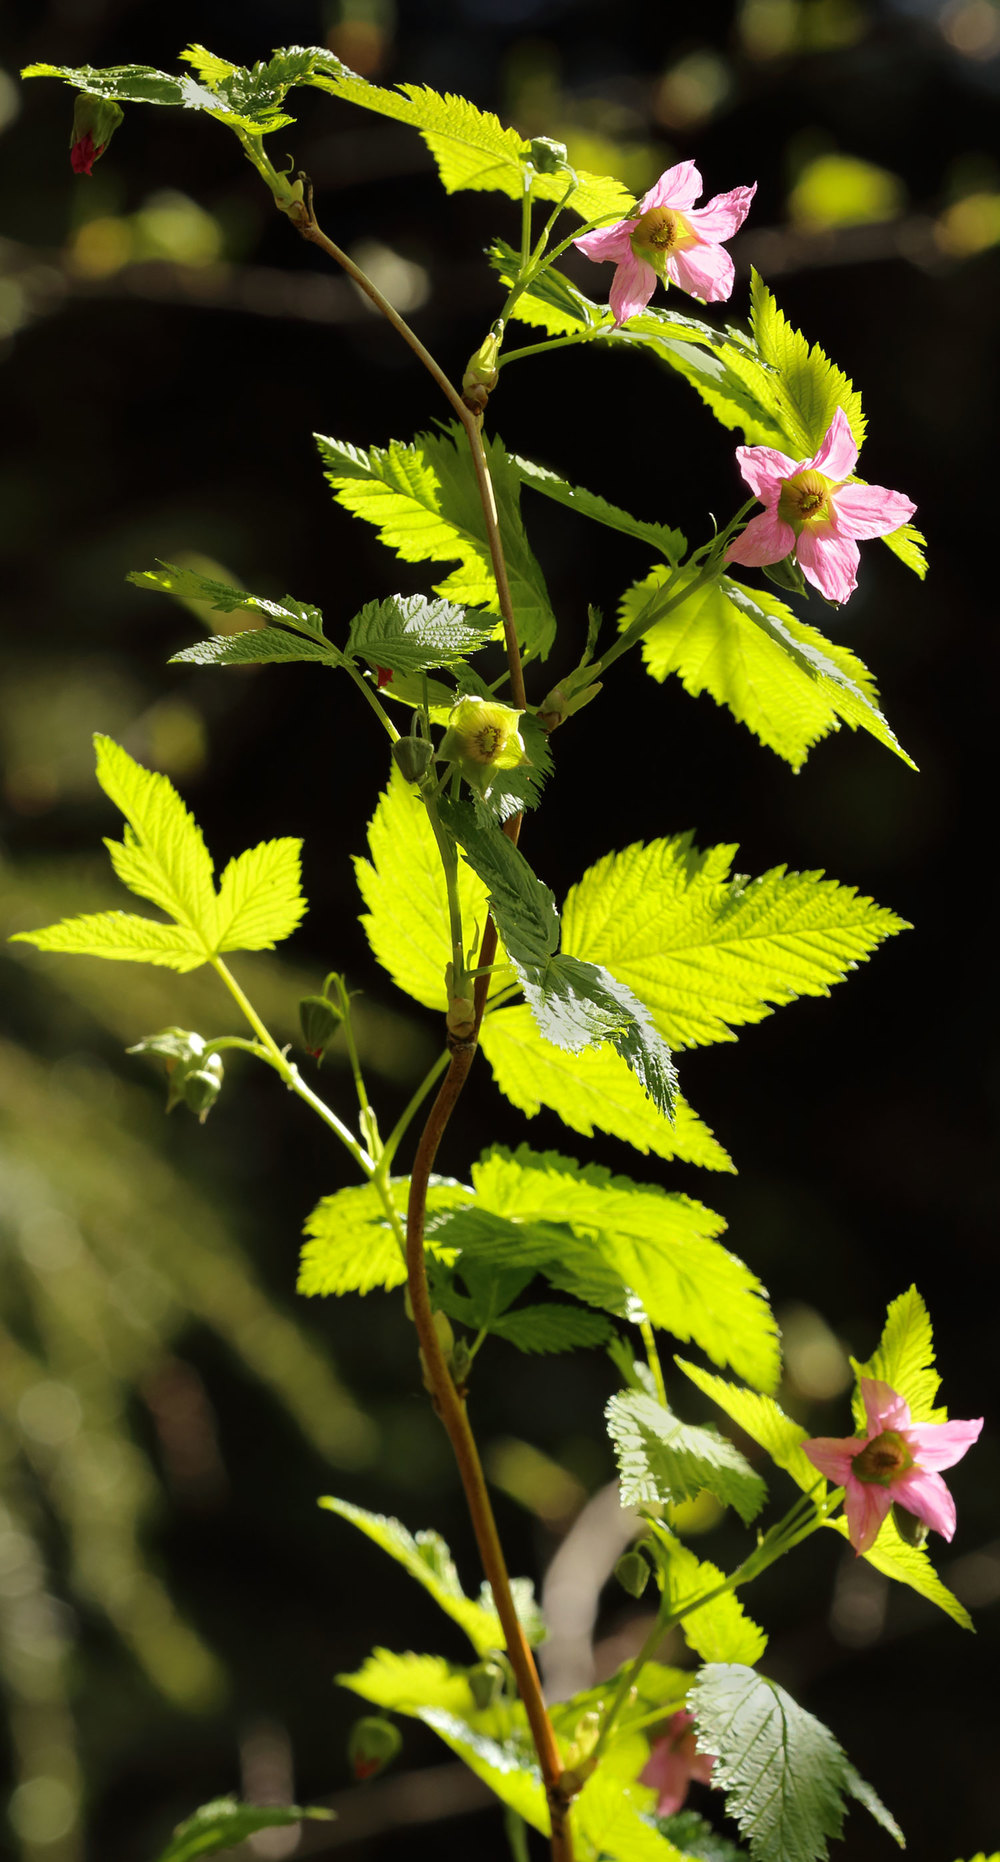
[
  {"x": 895, "y": 1464},
  {"x": 670, "y": 239},
  {"x": 83, "y": 155},
  {"x": 673, "y": 1761},
  {"x": 811, "y": 512}
]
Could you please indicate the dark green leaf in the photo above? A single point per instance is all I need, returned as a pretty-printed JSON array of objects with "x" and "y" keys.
[
  {"x": 551, "y": 1328},
  {"x": 410, "y": 634},
  {"x": 523, "y": 907},
  {"x": 188, "y": 585},
  {"x": 578, "y": 1005},
  {"x": 257, "y": 646},
  {"x": 224, "y": 1822}
]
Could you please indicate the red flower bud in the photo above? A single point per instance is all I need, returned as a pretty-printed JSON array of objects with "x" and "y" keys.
[{"x": 95, "y": 120}]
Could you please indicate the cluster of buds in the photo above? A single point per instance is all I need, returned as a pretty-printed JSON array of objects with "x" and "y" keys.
[{"x": 194, "y": 1075}]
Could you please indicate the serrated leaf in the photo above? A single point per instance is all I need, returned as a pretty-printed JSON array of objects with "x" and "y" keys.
[
  {"x": 707, "y": 951},
  {"x": 765, "y": 1422},
  {"x": 909, "y": 544},
  {"x": 524, "y": 908},
  {"x": 351, "y": 1246},
  {"x": 661, "y": 1458},
  {"x": 592, "y": 1090},
  {"x": 719, "y": 1630},
  {"x": 224, "y": 1822},
  {"x": 669, "y": 543},
  {"x": 783, "y": 1772},
  {"x": 257, "y": 646},
  {"x": 697, "y": 1840},
  {"x": 909, "y": 1565},
  {"x": 806, "y": 388},
  {"x": 252, "y": 99},
  {"x": 406, "y": 1683},
  {"x": 260, "y": 898},
  {"x": 581, "y": 1005},
  {"x": 162, "y": 855},
  {"x": 608, "y": 1815},
  {"x": 121, "y": 936},
  {"x": 781, "y": 678},
  {"x": 503, "y": 1766},
  {"x": 904, "y": 1359},
  {"x": 424, "y": 500},
  {"x": 409, "y": 634},
  {"x": 427, "y": 1559},
  {"x": 403, "y": 886},
  {"x": 596, "y": 1235},
  {"x": 188, "y": 585},
  {"x": 128, "y": 84},
  {"x": 551, "y": 1328}
]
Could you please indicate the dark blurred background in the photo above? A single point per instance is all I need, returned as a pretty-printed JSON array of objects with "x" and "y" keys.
[{"x": 173, "y": 1607}]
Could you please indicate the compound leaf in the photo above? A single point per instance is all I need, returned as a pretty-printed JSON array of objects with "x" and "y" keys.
[{"x": 351, "y": 1245}]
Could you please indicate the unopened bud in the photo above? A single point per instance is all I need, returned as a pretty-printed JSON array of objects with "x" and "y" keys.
[
  {"x": 481, "y": 373},
  {"x": 632, "y": 1572},
  {"x": 372, "y": 1744},
  {"x": 486, "y": 1681},
  {"x": 319, "y": 1020},
  {"x": 200, "y": 1088},
  {"x": 911, "y": 1529},
  {"x": 95, "y": 120},
  {"x": 412, "y": 757},
  {"x": 548, "y": 156}
]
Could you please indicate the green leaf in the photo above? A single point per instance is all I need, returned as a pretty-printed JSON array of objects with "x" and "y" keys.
[
  {"x": 424, "y": 501},
  {"x": 162, "y": 856},
  {"x": 718, "y": 1631},
  {"x": 904, "y": 1359},
  {"x": 260, "y": 900},
  {"x": 662, "y": 1458},
  {"x": 627, "y": 1237},
  {"x": 592, "y": 1090},
  {"x": 408, "y": 634},
  {"x": 551, "y": 1328},
  {"x": 909, "y": 544},
  {"x": 404, "y": 889},
  {"x": 669, "y": 543},
  {"x": 909, "y": 1565},
  {"x": 556, "y": 305},
  {"x": 121, "y": 936},
  {"x": 257, "y": 646},
  {"x": 697, "y": 1840},
  {"x": 187, "y": 585},
  {"x": 351, "y": 1246},
  {"x": 504, "y": 1766},
  {"x": 783, "y": 1772},
  {"x": 252, "y": 100},
  {"x": 608, "y": 1816},
  {"x": 407, "y": 1683},
  {"x": 781, "y": 678},
  {"x": 524, "y": 908},
  {"x": 128, "y": 84},
  {"x": 472, "y": 149},
  {"x": 761, "y": 1418},
  {"x": 708, "y": 951},
  {"x": 427, "y": 1559},
  {"x": 224, "y": 1822},
  {"x": 581, "y": 1005},
  {"x": 806, "y": 389}
]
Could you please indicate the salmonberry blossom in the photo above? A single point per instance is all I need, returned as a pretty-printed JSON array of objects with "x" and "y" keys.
[
  {"x": 674, "y": 1760},
  {"x": 894, "y": 1465},
  {"x": 812, "y": 513},
  {"x": 671, "y": 239}
]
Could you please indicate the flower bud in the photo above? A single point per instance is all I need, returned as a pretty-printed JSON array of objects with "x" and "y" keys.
[
  {"x": 319, "y": 1020},
  {"x": 95, "y": 120},
  {"x": 911, "y": 1529},
  {"x": 201, "y": 1086},
  {"x": 632, "y": 1572},
  {"x": 486, "y": 1680},
  {"x": 547, "y": 156},
  {"x": 481, "y": 373},
  {"x": 372, "y": 1744},
  {"x": 412, "y": 757}
]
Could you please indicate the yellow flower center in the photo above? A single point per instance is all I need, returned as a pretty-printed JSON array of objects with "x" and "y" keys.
[
  {"x": 659, "y": 232},
  {"x": 886, "y": 1457},
  {"x": 804, "y": 498}
]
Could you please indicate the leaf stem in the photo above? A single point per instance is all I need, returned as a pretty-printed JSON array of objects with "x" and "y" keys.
[{"x": 653, "y": 1360}]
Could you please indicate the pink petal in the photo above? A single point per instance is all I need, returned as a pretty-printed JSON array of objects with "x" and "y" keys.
[
  {"x": 631, "y": 287},
  {"x": 870, "y": 510},
  {"x": 941, "y": 1444},
  {"x": 668, "y": 1772},
  {"x": 722, "y": 217},
  {"x": 705, "y": 271},
  {"x": 834, "y": 1458},
  {"x": 927, "y": 1496},
  {"x": 866, "y": 1506},
  {"x": 838, "y": 455},
  {"x": 702, "y": 1767},
  {"x": 609, "y": 242},
  {"x": 767, "y": 538},
  {"x": 829, "y": 562},
  {"x": 763, "y": 469},
  {"x": 679, "y": 186},
  {"x": 883, "y": 1408}
]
